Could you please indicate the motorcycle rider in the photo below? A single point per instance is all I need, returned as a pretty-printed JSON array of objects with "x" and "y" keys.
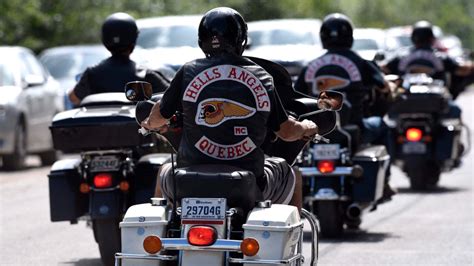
[
  {"x": 228, "y": 103},
  {"x": 343, "y": 70},
  {"x": 119, "y": 35},
  {"x": 424, "y": 58}
]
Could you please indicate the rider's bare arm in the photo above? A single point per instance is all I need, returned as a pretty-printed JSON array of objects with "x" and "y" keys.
[
  {"x": 155, "y": 120},
  {"x": 465, "y": 69},
  {"x": 74, "y": 99},
  {"x": 292, "y": 130}
]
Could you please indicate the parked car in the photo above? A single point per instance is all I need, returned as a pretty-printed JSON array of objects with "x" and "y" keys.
[
  {"x": 289, "y": 42},
  {"x": 65, "y": 63},
  {"x": 169, "y": 40},
  {"x": 30, "y": 98}
]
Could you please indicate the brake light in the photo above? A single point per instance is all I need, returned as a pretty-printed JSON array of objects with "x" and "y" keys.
[
  {"x": 414, "y": 134},
  {"x": 152, "y": 244},
  {"x": 103, "y": 180},
  {"x": 326, "y": 166},
  {"x": 249, "y": 246},
  {"x": 202, "y": 235}
]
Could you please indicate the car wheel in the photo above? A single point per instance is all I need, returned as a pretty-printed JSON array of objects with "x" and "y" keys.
[{"x": 16, "y": 160}]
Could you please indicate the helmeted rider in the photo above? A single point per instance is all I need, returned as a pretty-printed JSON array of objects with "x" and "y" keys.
[
  {"x": 228, "y": 102},
  {"x": 423, "y": 58},
  {"x": 343, "y": 70},
  {"x": 119, "y": 35}
]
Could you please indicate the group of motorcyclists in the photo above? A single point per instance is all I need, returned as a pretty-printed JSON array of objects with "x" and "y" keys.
[{"x": 229, "y": 103}]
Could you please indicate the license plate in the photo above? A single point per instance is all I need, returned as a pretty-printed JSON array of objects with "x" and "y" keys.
[
  {"x": 414, "y": 148},
  {"x": 105, "y": 163},
  {"x": 203, "y": 208},
  {"x": 326, "y": 151}
]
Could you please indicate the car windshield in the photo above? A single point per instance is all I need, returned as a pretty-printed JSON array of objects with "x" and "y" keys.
[
  {"x": 174, "y": 36},
  {"x": 364, "y": 44},
  {"x": 280, "y": 37},
  {"x": 6, "y": 75},
  {"x": 70, "y": 64}
]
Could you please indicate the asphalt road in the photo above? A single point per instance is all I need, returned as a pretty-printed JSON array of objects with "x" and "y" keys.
[{"x": 432, "y": 228}]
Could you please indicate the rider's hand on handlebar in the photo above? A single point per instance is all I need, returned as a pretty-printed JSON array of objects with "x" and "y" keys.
[
  {"x": 155, "y": 120},
  {"x": 311, "y": 129}
]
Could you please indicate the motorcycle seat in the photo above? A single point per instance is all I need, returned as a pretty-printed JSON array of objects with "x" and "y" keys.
[{"x": 238, "y": 186}]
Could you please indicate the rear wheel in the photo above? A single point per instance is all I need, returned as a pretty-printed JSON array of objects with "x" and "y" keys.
[
  {"x": 107, "y": 234},
  {"x": 423, "y": 174},
  {"x": 330, "y": 218},
  {"x": 16, "y": 160}
]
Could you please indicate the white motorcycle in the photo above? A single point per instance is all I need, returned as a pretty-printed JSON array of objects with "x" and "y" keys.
[{"x": 224, "y": 226}]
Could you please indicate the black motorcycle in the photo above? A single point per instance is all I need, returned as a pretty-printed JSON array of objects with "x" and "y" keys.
[
  {"x": 342, "y": 178},
  {"x": 425, "y": 139},
  {"x": 116, "y": 167}
]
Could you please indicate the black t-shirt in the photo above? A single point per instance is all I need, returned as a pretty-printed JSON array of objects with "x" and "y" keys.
[
  {"x": 344, "y": 71},
  {"x": 111, "y": 75},
  {"x": 423, "y": 60},
  {"x": 227, "y": 102}
]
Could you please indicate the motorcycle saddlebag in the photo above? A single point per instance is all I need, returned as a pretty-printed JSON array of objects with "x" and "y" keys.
[
  {"x": 96, "y": 127},
  {"x": 374, "y": 160},
  {"x": 65, "y": 200}
]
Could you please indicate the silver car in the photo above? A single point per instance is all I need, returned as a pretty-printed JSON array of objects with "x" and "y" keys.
[{"x": 29, "y": 99}]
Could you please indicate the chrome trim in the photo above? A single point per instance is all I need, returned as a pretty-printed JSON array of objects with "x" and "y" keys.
[
  {"x": 263, "y": 261},
  {"x": 219, "y": 245},
  {"x": 120, "y": 256},
  {"x": 315, "y": 229},
  {"x": 338, "y": 171}
]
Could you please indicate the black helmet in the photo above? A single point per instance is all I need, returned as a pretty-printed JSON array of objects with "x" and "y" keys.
[
  {"x": 422, "y": 33},
  {"x": 336, "y": 31},
  {"x": 119, "y": 31},
  {"x": 222, "y": 29}
]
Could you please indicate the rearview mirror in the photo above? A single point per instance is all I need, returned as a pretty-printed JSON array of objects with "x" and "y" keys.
[
  {"x": 330, "y": 100},
  {"x": 138, "y": 91}
]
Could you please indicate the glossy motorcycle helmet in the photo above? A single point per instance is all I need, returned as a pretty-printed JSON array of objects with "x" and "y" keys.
[
  {"x": 422, "y": 33},
  {"x": 336, "y": 31},
  {"x": 222, "y": 30},
  {"x": 119, "y": 31}
]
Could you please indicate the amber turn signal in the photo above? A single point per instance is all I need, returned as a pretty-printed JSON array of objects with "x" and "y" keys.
[
  {"x": 124, "y": 186},
  {"x": 249, "y": 246},
  {"x": 152, "y": 244},
  {"x": 84, "y": 188}
]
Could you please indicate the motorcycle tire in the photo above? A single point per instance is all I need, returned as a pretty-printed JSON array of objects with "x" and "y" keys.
[
  {"x": 48, "y": 157},
  {"x": 16, "y": 160},
  {"x": 423, "y": 175},
  {"x": 107, "y": 234},
  {"x": 330, "y": 218}
]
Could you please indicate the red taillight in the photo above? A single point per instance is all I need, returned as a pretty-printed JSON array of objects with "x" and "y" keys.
[
  {"x": 103, "y": 180},
  {"x": 202, "y": 235},
  {"x": 326, "y": 166},
  {"x": 414, "y": 134}
]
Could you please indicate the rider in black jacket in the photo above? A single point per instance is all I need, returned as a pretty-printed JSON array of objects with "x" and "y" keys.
[
  {"x": 343, "y": 70},
  {"x": 423, "y": 58},
  {"x": 228, "y": 102},
  {"x": 119, "y": 34}
]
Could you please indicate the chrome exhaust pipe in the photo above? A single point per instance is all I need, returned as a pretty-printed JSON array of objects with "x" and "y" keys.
[{"x": 354, "y": 211}]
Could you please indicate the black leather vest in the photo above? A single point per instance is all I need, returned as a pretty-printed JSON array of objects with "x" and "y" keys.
[
  {"x": 112, "y": 74},
  {"x": 226, "y": 105}
]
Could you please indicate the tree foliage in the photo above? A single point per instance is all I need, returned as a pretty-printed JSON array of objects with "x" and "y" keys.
[{"x": 39, "y": 24}]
